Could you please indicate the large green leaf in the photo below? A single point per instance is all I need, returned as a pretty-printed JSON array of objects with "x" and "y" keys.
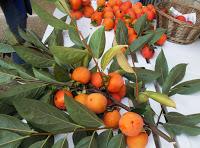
[
  {"x": 44, "y": 116},
  {"x": 31, "y": 140},
  {"x": 87, "y": 142},
  {"x": 186, "y": 88},
  {"x": 62, "y": 5},
  {"x": 66, "y": 55},
  {"x": 121, "y": 33},
  {"x": 161, "y": 67},
  {"x": 108, "y": 56},
  {"x": 55, "y": 38},
  {"x": 75, "y": 37},
  {"x": 80, "y": 114},
  {"x": 104, "y": 138},
  {"x": 6, "y": 108},
  {"x": 20, "y": 70},
  {"x": 62, "y": 143},
  {"x": 13, "y": 124},
  {"x": 48, "y": 18},
  {"x": 174, "y": 117},
  {"x": 140, "y": 24},
  {"x": 43, "y": 75},
  {"x": 144, "y": 75},
  {"x": 31, "y": 37},
  {"x": 10, "y": 140},
  {"x": 7, "y": 76},
  {"x": 47, "y": 143},
  {"x": 78, "y": 135},
  {"x": 61, "y": 73},
  {"x": 34, "y": 57},
  {"x": 179, "y": 128},
  {"x": 157, "y": 35},
  {"x": 97, "y": 42},
  {"x": 117, "y": 141},
  {"x": 140, "y": 42},
  {"x": 20, "y": 91},
  {"x": 5, "y": 48},
  {"x": 176, "y": 74}
]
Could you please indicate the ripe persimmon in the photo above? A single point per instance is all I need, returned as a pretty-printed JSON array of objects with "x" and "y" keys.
[
  {"x": 86, "y": 2},
  {"x": 75, "y": 4},
  {"x": 81, "y": 98},
  {"x": 76, "y": 15},
  {"x": 162, "y": 40},
  {"x": 111, "y": 119},
  {"x": 115, "y": 8},
  {"x": 122, "y": 91},
  {"x": 116, "y": 96},
  {"x": 115, "y": 82},
  {"x": 139, "y": 141},
  {"x": 88, "y": 11},
  {"x": 59, "y": 99},
  {"x": 81, "y": 74},
  {"x": 101, "y": 3},
  {"x": 131, "y": 38},
  {"x": 125, "y": 5},
  {"x": 96, "y": 80},
  {"x": 150, "y": 15},
  {"x": 119, "y": 14},
  {"x": 96, "y": 102},
  {"x": 111, "y": 3},
  {"x": 107, "y": 8},
  {"x": 108, "y": 14},
  {"x": 96, "y": 18},
  {"x": 131, "y": 124},
  {"x": 108, "y": 23}
]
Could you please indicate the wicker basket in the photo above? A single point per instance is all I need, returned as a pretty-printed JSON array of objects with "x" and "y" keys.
[{"x": 177, "y": 31}]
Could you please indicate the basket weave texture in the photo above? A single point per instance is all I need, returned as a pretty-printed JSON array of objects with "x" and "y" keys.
[{"x": 177, "y": 31}]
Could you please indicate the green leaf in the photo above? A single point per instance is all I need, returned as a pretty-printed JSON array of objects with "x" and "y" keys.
[
  {"x": 62, "y": 5},
  {"x": 61, "y": 73},
  {"x": 66, "y": 55},
  {"x": 31, "y": 37},
  {"x": 48, "y": 18},
  {"x": 87, "y": 142},
  {"x": 13, "y": 124},
  {"x": 144, "y": 75},
  {"x": 176, "y": 74},
  {"x": 121, "y": 33},
  {"x": 179, "y": 128},
  {"x": 62, "y": 143},
  {"x": 20, "y": 91},
  {"x": 174, "y": 117},
  {"x": 186, "y": 88},
  {"x": 157, "y": 35},
  {"x": 97, "y": 42},
  {"x": 75, "y": 37},
  {"x": 117, "y": 141},
  {"x": 6, "y": 108},
  {"x": 5, "y": 48},
  {"x": 108, "y": 56},
  {"x": 104, "y": 138},
  {"x": 55, "y": 38},
  {"x": 47, "y": 97},
  {"x": 34, "y": 57},
  {"x": 44, "y": 116},
  {"x": 20, "y": 70},
  {"x": 140, "y": 24},
  {"x": 114, "y": 66},
  {"x": 10, "y": 140},
  {"x": 161, "y": 67},
  {"x": 43, "y": 75},
  {"x": 7, "y": 76},
  {"x": 78, "y": 135},
  {"x": 47, "y": 143},
  {"x": 80, "y": 114},
  {"x": 140, "y": 42},
  {"x": 9, "y": 37},
  {"x": 149, "y": 114}
]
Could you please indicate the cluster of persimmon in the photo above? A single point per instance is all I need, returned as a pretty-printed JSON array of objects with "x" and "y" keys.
[{"x": 130, "y": 123}]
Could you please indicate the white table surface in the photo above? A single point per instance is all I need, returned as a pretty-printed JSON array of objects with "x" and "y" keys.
[{"x": 175, "y": 54}]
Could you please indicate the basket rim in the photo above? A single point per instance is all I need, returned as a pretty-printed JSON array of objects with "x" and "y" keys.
[{"x": 174, "y": 19}]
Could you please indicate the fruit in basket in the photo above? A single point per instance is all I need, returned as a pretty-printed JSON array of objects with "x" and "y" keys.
[
  {"x": 81, "y": 74},
  {"x": 75, "y": 4},
  {"x": 115, "y": 82},
  {"x": 150, "y": 15},
  {"x": 81, "y": 98},
  {"x": 162, "y": 40},
  {"x": 59, "y": 98},
  {"x": 76, "y": 15},
  {"x": 108, "y": 23},
  {"x": 101, "y": 3},
  {"x": 96, "y": 80},
  {"x": 96, "y": 18},
  {"x": 88, "y": 11},
  {"x": 111, "y": 118},
  {"x": 147, "y": 52},
  {"x": 181, "y": 18},
  {"x": 190, "y": 22},
  {"x": 96, "y": 102},
  {"x": 131, "y": 124},
  {"x": 139, "y": 141}
]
